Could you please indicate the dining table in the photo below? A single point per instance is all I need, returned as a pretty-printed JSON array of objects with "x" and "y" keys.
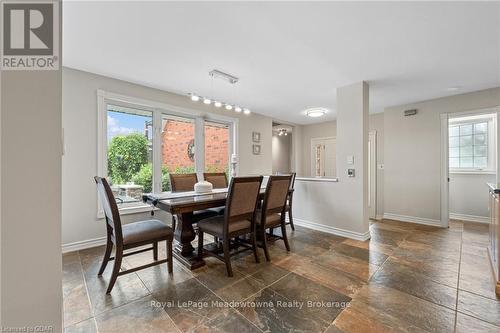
[{"x": 182, "y": 205}]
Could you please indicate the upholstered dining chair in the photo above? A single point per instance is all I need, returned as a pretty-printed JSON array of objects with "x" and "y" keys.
[
  {"x": 272, "y": 212},
  {"x": 180, "y": 182},
  {"x": 238, "y": 219},
  {"x": 217, "y": 179},
  {"x": 129, "y": 236},
  {"x": 290, "y": 198},
  {"x": 289, "y": 201}
]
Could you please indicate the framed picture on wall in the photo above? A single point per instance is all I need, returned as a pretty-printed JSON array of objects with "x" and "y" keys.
[
  {"x": 256, "y": 137},
  {"x": 256, "y": 149}
]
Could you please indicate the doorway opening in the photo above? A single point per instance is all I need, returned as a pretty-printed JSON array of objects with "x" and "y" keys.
[
  {"x": 281, "y": 149},
  {"x": 470, "y": 146}
]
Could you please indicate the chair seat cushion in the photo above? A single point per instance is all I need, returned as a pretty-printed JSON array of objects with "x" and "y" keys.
[
  {"x": 218, "y": 210},
  {"x": 271, "y": 219},
  {"x": 199, "y": 215},
  {"x": 144, "y": 231},
  {"x": 215, "y": 225}
]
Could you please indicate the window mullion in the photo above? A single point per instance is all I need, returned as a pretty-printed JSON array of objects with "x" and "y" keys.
[
  {"x": 157, "y": 176},
  {"x": 199, "y": 146}
]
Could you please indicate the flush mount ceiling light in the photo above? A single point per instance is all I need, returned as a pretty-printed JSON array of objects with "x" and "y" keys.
[
  {"x": 207, "y": 101},
  {"x": 217, "y": 104},
  {"x": 316, "y": 112},
  {"x": 229, "y": 107},
  {"x": 246, "y": 111},
  {"x": 237, "y": 109},
  {"x": 453, "y": 88},
  {"x": 194, "y": 98}
]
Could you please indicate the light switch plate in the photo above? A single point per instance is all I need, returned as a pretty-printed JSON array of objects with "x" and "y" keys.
[{"x": 350, "y": 159}]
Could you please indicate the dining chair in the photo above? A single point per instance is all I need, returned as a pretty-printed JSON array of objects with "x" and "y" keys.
[
  {"x": 183, "y": 182},
  {"x": 217, "y": 179},
  {"x": 238, "y": 219},
  {"x": 290, "y": 198},
  {"x": 129, "y": 236},
  {"x": 272, "y": 213},
  {"x": 288, "y": 208}
]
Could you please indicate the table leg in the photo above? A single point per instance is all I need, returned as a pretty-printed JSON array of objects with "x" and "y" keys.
[{"x": 184, "y": 234}]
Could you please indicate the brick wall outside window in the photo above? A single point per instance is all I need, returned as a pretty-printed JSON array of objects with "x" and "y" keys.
[{"x": 176, "y": 137}]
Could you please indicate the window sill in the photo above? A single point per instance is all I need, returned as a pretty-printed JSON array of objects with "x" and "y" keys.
[
  {"x": 472, "y": 172},
  {"x": 130, "y": 210}
]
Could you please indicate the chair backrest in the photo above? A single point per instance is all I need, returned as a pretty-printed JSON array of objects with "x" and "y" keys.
[
  {"x": 110, "y": 208},
  {"x": 217, "y": 179},
  {"x": 292, "y": 182},
  {"x": 242, "y": 199},
  {"x": 276, "y": 195},
  {"x": 293, "y": 174},
  {"x": 182, "y": 182}
]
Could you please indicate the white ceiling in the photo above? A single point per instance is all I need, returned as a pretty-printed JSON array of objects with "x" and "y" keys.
[{"x": 289, "y": 55}]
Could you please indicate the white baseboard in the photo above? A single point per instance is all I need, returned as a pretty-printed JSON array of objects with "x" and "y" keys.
[
  {"x": 379, "y": 217},
  {"x": 81, "y": 245},
  {"x": 413, "y": 219},
  {"x": 470, "y": 218},
  {"x": 331, "y": 230}
]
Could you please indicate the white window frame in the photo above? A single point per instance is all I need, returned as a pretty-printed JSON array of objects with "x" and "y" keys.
[
  {"x": 491, "y": 120},
  {"x": 158, "y": 109}
]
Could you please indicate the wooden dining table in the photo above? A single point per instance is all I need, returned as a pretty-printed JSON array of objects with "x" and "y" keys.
[{"x": 182, "y": 205}]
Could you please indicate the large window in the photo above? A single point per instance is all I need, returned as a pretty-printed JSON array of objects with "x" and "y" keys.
[
  {"x": 142, "y": 142},
  {"x": 471, "y": 144}
]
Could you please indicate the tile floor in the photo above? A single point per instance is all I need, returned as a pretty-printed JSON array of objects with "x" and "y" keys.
[{"x": 407, "y": 278}]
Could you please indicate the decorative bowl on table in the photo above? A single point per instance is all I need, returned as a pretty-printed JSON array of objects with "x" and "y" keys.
[{"x": 203, "y": 187}]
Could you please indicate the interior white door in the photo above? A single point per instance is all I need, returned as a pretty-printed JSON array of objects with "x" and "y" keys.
[
  {"x": 445, "y": 176},
  {"x": 372, "y": 174},
  {"x": 323, "y": 157}
]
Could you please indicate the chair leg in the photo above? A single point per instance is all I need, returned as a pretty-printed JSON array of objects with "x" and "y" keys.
[
  {"x": 155, "y": 251},
  {"x": 200, "y": 244},
  {"x": 170, "y": 261},
  {"x": 284, "y": 236},
  {"x": 227, "y": 259},
  {"x": 264, "y": 244},
  {"x": 116, "y": 268},
  {"x": 291, "y": 218},
  {"x": 107, "y": 255},
  {"x": 254, "y": 246}
]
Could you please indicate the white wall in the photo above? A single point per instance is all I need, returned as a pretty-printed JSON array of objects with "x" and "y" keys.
[
  {"x": 339, "y": 207},
  {"x": 352, "y": 140},
  {"x": 469, "y": 194},
  {"x": 412, "y": 152},
  {"x": 281, "y": 152},
  {"x": 31, "y": 199},
  {"x": 320, "y": 130},
  {"x": 80, "y": 159},
  {"x": 329, "y": 128}
]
